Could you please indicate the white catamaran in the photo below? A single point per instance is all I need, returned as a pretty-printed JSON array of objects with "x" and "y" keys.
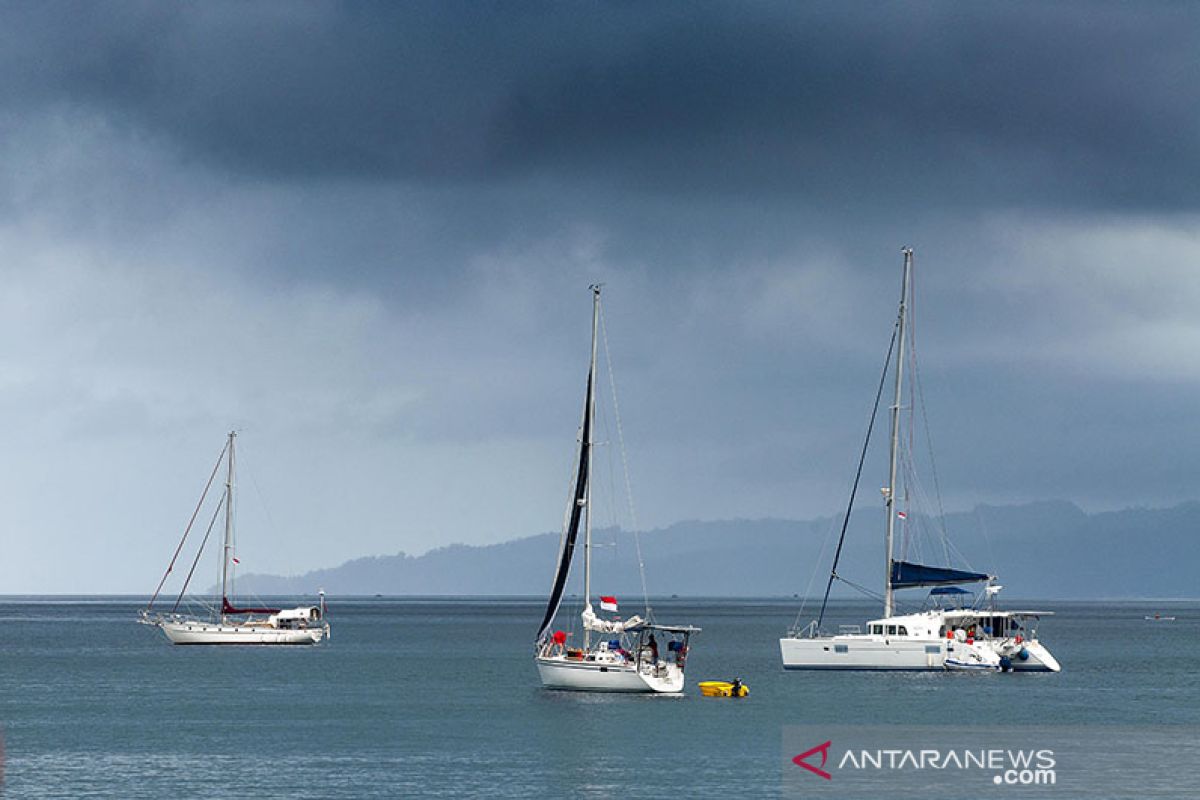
[
  {"x": 232, "y": 625},
  {"x": 616, "y": 655},
  {"x": 946, "y": 636}
]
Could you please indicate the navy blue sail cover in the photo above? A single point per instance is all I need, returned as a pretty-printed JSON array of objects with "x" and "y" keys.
[{"x": 906, "y": 575}]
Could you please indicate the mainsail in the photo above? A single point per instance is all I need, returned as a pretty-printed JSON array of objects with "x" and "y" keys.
[{"x": 578, "y": 501}]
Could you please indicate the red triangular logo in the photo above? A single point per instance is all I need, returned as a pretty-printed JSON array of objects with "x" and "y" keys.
[{"x": 823, "y": 749}]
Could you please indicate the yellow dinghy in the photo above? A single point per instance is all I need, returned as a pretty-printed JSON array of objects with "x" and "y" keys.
[{"x": 723, "y": 689}]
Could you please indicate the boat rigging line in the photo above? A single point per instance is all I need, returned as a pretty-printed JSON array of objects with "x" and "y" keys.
[
  {"x": 917, "y": 399},
  {"x": 211, "y": 523},
  {"x": 857, "y": 477},
  {"x": 633, "y": 522},
  {"x": 188, "y": 529}
]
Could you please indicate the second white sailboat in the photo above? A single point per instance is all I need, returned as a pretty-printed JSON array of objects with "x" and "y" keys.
[{"x": 616, "y": 655}]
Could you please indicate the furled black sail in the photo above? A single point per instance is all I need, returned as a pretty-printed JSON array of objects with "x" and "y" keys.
[
  {"x": 906, "y": 575},
  {"x": 229, "y": 608},
  {"x": 579, "y": 497}
]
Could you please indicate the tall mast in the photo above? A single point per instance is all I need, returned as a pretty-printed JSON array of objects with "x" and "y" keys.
[
  {"x": 228, "y": 527},
  {"x": 891, "y": 487},
  {"x": 587, "y": 508}
]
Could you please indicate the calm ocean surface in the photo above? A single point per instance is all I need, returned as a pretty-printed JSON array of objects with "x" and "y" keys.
[{"x": 440, "y": 698}]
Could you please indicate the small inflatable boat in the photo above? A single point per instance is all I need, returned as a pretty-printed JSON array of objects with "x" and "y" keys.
[{"x": 723, "y": 689}]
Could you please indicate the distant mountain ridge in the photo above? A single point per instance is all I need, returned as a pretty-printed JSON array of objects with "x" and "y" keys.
[{"x": 1048, "y": 549}]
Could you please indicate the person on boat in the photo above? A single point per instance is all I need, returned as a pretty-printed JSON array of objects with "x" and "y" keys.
[
  {"x": 680, "y": 653},
  {"x": 652, "y": 643}
]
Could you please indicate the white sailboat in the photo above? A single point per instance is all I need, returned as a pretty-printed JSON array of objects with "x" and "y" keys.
[
  {"x": 230, "y": 624},
  {"x": 616, "y": 655},
  {"x": 976, "y": 637}
]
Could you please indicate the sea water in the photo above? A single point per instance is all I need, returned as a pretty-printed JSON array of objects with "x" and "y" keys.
[{"x": 440, "y": 698}]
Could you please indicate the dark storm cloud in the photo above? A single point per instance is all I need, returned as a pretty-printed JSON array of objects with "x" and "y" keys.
[
  {"x": 1085, "y": 104},
  {"x": 367, "y": 231}
]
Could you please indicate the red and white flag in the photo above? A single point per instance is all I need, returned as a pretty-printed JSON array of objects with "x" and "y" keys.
[
  {"x": 235, "y": 560},
  {"x": 901, "y": 515},
  {"x": 608, "y": 603}
]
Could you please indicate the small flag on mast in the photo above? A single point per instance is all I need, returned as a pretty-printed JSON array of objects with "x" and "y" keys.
[
  {"x": 901, "y": 515},
  {"x": 608, "y": 603},
  {"x": 235, "y": 560}
]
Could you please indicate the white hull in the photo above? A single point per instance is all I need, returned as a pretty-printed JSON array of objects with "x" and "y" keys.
[
  {"x": 559, "y": 672},
  {"x": 856, "y": 652},
  {"x": 195, "y": 632},
  {"x": 922, "y": 641},
  {"x": 862, "y": 652}
]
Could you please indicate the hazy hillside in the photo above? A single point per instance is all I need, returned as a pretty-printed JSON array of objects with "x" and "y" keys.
[{"x": 1047, "y": 549}]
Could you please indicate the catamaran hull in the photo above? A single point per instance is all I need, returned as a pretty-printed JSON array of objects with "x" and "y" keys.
[
  {"x": 850, "y": 653},
  {"x": 582, "y": 676},
  {"x": 864, "y": 654},
  {"x": 1036, "y": 658},
  {"x": 201, "y": 633}
]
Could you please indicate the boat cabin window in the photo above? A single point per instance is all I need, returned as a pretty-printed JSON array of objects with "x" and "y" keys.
[
  {"x": 903, "y": 631},
  {"x": 891, "y": 629},
  {"x": 877, "y": 630}
]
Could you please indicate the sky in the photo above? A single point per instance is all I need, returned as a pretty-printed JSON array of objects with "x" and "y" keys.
[{"x": 363, "y": 234}]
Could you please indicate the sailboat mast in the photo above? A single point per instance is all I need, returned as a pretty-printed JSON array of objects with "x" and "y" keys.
[
  {"x": 888, "y": 604},
  {"x": 587, "y": 507},
  {"x": 228, "y": 528}
]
